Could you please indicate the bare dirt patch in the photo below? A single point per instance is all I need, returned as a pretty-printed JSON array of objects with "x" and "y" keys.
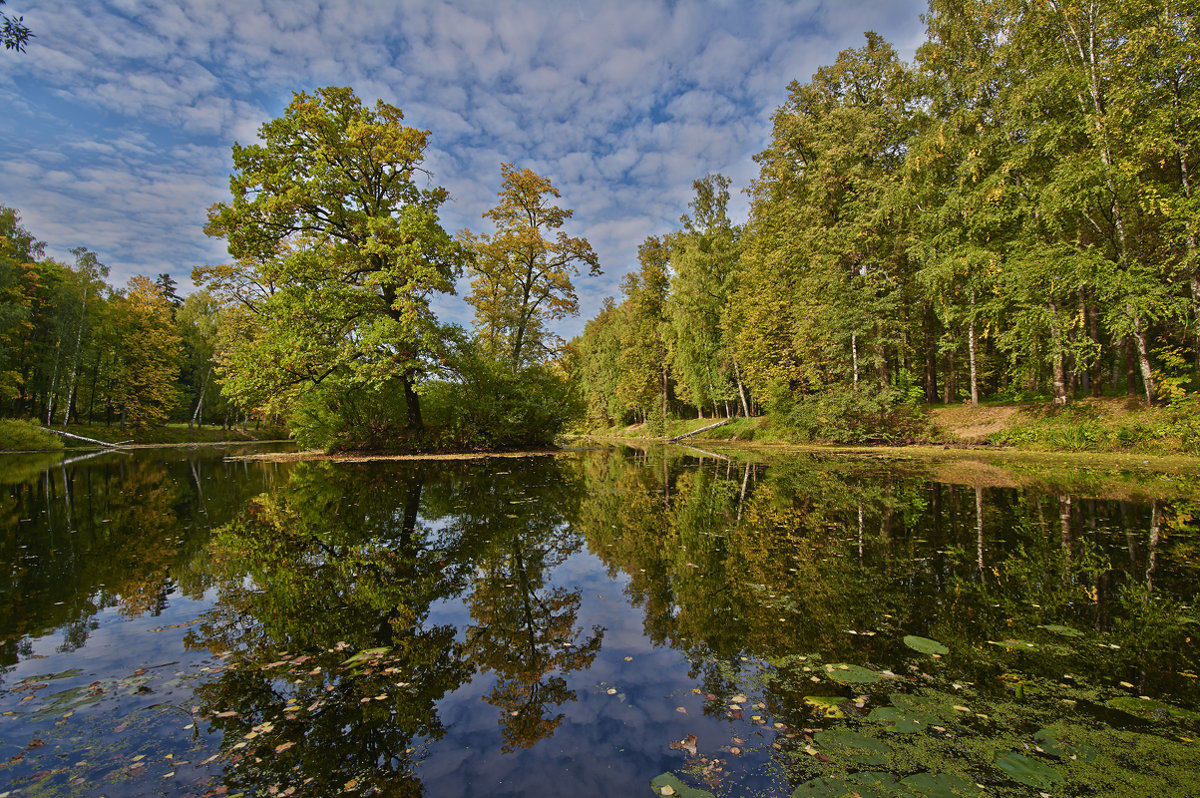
[{"x": 966, "y": 424}]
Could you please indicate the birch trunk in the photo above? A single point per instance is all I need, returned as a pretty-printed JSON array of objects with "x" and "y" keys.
[
  {"x": 1059, "y": 374},
  {"x": 971, "y": 354},
  {"x": 737, "y": 376},
  {"x": 200, "y": 399}
]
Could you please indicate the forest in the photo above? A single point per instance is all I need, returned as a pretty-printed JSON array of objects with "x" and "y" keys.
[
  {"x": 1008, "y": 218},
  {"x": 322, "y": 322}
]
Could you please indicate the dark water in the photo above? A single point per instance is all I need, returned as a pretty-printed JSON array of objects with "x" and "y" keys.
[{"x": 173, "y": 622}]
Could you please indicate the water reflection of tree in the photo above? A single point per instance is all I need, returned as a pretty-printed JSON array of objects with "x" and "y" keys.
[
  {"x": 525, "y": 630},
  {"x": 330, "y": 660},
  {"x": 103, "y": 532},
  {"x": 335, "y": 564},
  {"x": 838, "y": 559}
]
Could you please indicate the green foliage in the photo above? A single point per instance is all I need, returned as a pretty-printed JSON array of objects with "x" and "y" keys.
[
  {"x": 856, "y": 416},
  {"x": 17, "y": 435},
  {"x": 485, "y": 403},
  {"x": 342, "y": 249},
  {"x": 521, "y": 276},
  {"x": 1011, "y": 215}
]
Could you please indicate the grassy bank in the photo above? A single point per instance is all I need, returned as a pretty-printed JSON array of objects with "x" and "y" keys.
[
  {"x": 1117, "y": 425},
  {"x": 16, "y": 435}
]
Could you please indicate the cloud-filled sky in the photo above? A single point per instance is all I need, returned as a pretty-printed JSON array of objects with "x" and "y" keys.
[{"x": 118, "y": 120}]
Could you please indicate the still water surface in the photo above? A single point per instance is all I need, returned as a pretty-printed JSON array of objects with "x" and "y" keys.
[{"x": 614, "y": 622}]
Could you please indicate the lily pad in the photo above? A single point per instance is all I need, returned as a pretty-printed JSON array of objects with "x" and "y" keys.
[
  {"x": 826, "y": 706},
  {"x": 900, "y": 720},
  {"x": 676, "y": 786},
  {"x": 1057, "y": 743},
  {"x": 925, "y": 645},
  {"x": 873, "y": 784},
  {"x": 1065, "y": 631},
  {"x": 68, "y": 701},
  {"x": 941, "y": 785},
  {"x": 1028, "y": 771},
  {"x": 851, "y": 674},
  {"x": 822, "y": 788},
  {"x": 851, "y": 745},
  {"x": 1151, "y": 709}
]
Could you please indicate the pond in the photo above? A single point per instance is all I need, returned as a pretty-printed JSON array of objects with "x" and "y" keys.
[{"x": 595, "y": 623}]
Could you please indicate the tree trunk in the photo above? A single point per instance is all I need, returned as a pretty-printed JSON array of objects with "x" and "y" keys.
[
  {"x": 931, "y": 388},
  {"x": 1139, "y": 335},
  {"x": 854, "y": 355},
  {"x": 200, "y": 399},
  {"x": 664, "y": 394},
  {"x": 971, "y": 351},
  {"x": 53, "y": 383},
  {"x": 1058, "y": 375},
  {"x": 412, "y": 405},
  {"x": 737, "y": 376},
  {"x": 1097, "y": 386}
]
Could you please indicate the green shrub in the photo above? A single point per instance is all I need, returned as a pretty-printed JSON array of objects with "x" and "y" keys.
[
  {"x": 849, "y": 415},
  {"x": 17, "y": 435},
  {"x": 484, "y": 403}
]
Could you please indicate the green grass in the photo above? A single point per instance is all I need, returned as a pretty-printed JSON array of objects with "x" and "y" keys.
[
  {"x": 171, "y": 433},
  {"x": 1174, "y": 429},
  {"x": 18, "y": 435}
]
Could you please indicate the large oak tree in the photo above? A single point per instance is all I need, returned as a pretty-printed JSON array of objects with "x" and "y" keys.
[{"x": 330, "y": 208}]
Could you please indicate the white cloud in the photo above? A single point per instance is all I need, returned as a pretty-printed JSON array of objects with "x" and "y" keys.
[{"x": 121, "y": 113}]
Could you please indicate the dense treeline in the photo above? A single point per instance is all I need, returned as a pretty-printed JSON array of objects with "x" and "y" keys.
[
  {"x": 74, "y": 349},
  {"x": 1011, "y": 216}
]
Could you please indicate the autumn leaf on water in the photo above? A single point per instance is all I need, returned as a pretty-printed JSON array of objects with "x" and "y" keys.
[
  {"x": 279, "y": 749},
  {"x": 686, "y": 744}
]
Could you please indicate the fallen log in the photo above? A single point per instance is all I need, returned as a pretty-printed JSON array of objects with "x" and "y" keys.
[
  {"x": 720, "y": 423},
  {"x": 81, "y": 438}
]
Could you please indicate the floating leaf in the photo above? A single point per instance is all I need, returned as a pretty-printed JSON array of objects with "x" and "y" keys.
[
  {"x": 872, "y": 784},
  {"x": 688, "y": 744},
  {"x": 1029, "y": 771},
  {"x": 1013, "y": 645},
  {"x": 826, "y": 706},
  {"x": 925, "y": 645},
  {"x": 851, "y": 674},
  {"x": 669, "y": 784},
  {"x": 366, "y": 655},
  {"x": 1151, "y": 709}
]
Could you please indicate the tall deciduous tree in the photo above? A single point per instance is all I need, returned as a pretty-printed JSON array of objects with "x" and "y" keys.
[
  {"x": 521, "y": 277},
  {"x": 705, "y": 261},
  {"x": 647, "y": 335},
  {"x": 329, "y": 208},
  {"x": 148, "y": 363}
]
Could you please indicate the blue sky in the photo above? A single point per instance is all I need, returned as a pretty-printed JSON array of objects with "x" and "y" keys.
[{"x": 118, "y": 119}]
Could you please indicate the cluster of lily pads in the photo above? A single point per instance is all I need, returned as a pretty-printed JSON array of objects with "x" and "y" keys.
[{"x": 915, "y": 736}]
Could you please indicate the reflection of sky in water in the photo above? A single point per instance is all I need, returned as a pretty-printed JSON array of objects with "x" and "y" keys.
[{"x": 607, "y": 744}]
